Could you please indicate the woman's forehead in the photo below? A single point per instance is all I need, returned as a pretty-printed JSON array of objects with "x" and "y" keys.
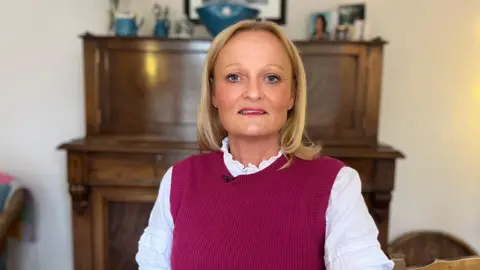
[{"x": 253, "y": 46}]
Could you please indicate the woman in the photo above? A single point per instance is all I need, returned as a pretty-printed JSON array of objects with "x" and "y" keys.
[
  {"x": 320, "y": 29},
  {"x": 260, "y": 198}
]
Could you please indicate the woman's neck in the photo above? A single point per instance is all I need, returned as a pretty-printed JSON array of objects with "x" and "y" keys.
[{"x": 253, "y": 150}]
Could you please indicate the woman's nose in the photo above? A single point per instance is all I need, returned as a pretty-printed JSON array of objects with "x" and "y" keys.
[{"x": 253, "y": 90}]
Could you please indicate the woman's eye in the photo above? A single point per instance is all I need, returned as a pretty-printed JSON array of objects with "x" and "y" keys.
[
  {"x": 272, "y": 79},
  {"x": 233, "y": 78}
]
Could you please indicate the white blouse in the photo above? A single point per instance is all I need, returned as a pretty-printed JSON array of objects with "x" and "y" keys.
[{"x": 351, "y": 234}]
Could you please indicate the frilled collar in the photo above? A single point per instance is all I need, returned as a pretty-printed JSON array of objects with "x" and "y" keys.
[{"x": 236, "y": 168}]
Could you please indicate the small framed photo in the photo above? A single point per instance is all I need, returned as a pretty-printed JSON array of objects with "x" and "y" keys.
[
  {"x": 319, "y": 25},
  {"x": 349, "y": 14},
  {"x": 351, "y": 21}
]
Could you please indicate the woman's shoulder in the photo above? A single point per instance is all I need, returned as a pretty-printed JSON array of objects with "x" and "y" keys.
[
  {"x": 328, "y": 159},
  {"x": 321, "y": 165},
  {"x": 324, "y": 161}
]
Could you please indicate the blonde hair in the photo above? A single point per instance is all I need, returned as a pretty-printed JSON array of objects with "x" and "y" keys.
[{"x": 293, "y": 139}]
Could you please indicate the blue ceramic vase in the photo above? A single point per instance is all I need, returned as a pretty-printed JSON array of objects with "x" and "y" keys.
[
  {"x": 218, "y": 16},
  {"x": 162, "y": 28}
]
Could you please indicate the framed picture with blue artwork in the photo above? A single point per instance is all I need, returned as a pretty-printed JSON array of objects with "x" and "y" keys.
[{"x": 272, "y": 10}]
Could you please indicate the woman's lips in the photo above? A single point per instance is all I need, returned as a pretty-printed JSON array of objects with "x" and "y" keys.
[{"x": 252, "y": 111}]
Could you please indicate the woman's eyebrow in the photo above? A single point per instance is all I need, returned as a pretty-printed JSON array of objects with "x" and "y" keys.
[
  {"x": 232, "y": 64},
  {"x": 268, "y": 65},
  {"x": 276, "y": 65}
]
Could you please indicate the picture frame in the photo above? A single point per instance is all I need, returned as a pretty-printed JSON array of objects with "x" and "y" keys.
[
  {"x": 351, "y": 20},
  {"x": 271, "y": 10},
  {"x": 349, "y": 13},
  {"x": 322, "y": 20}
]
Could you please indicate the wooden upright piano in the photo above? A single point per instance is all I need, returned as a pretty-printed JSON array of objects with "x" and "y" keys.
[{"x": 141, "y": 97}]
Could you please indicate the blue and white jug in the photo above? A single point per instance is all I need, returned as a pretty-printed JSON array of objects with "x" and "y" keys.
[{"x": 127, "y": 24}]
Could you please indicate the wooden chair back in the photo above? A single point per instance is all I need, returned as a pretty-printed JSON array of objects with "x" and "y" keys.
[
  {"x": 421, "y": 248},
  {"x": 468, "y": 263}
]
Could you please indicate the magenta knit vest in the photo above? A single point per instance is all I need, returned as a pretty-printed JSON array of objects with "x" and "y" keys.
[{"x": 272, "y": 219}]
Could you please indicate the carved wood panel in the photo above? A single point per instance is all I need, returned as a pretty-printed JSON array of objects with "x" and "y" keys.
[
  {"x": 114, "y": 168},
  {"x": 144, "y": 92},
  {"x": 126, "y": 223},
  {"x": 118, "y": 218},
  {"x": 331, "y": 107}
]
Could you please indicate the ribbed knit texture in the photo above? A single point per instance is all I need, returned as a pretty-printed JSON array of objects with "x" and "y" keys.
[{"x": 272, "y": 219}]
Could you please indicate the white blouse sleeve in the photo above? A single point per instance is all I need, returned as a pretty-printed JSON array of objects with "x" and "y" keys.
[
  {"x": 351, "y": 234},
  {"x": 155, "y": 244}
]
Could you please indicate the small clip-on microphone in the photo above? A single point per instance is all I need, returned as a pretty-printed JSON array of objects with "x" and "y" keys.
[{"x": 228, "y": 179}]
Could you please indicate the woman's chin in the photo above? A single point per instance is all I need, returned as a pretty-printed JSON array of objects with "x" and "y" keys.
[{"x": 252, "y": 132}]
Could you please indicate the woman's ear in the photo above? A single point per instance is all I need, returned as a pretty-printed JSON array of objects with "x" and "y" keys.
[
  {"x": 291, "y": 102},
  {"x": 212, "y": 92}
]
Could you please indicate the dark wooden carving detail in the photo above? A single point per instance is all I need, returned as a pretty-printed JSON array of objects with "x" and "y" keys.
[
  {"x": 381, "y": 206},
  {"x": 78, "y": 189},
  {"x": 80, "y": 196},
  {"x": 126, "y": 223}
]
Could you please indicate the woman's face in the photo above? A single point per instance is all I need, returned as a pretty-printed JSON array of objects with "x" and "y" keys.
[
  {"x": 253, "y": 85},
  {"x": 319, "y": 25}
]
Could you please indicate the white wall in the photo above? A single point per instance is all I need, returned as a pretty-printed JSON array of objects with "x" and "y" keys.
[
  {"x": 41, "y": 105},
  {"x": 431, "y": 111},
  {"x": 430, "y": 108}
]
